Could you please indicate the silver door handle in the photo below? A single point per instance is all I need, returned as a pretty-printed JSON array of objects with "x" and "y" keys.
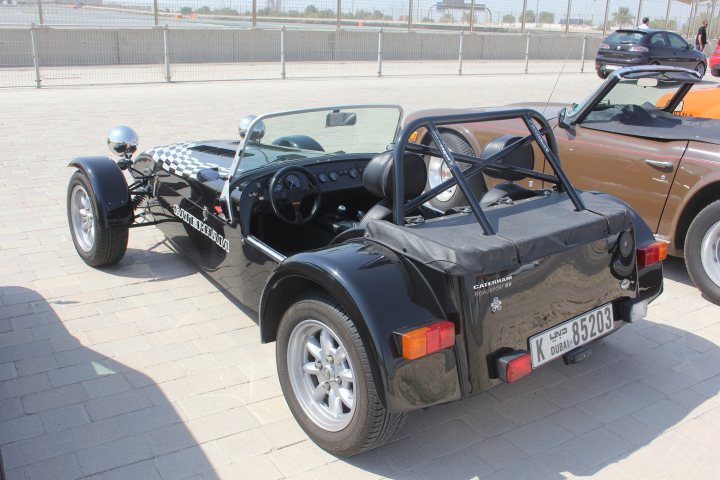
[{"x": 659, "y": 164}]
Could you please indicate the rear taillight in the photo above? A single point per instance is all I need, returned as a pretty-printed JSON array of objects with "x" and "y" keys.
[
  {"x": 605, "y": 46},
  {"x": 426, "y": 340},
  {"x": 514, "y": 366},
  {"x": 638, "y": 48},
  {"x": 652, "y": 253}
]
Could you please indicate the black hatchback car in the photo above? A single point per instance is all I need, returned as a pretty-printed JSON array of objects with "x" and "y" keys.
[{"x": 632, "y": 47}]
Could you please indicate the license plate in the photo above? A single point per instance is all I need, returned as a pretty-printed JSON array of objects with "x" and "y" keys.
[
  {"x": 559, "y": 340},
  {"x": 611, "y": 67}
]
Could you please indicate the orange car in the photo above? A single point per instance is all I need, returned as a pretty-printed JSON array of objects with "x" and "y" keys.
[{"x": 704, "y": 102}]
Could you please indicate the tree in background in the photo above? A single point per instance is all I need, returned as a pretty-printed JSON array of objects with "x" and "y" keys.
[
  {"x": 546, "y": 17},
  {"x": 622, "y": 17},
  {"x": 508, "y": 18},
  {"x": 529, "y": 16},
  {"x": 659, "y": 23}
]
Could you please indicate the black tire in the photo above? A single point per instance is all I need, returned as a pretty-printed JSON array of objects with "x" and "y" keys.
[
  {"x": 371, "y": 424},
  {"x": 602, "y": 74},
  {"x": 700, "y": 68},
  {"x": 456, "y": 144},
  {"x": 101, "y": 246},
  {"x": 705, "y": 227}
]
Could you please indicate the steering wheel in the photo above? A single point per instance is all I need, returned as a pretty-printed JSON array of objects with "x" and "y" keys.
[{"x": 289, "y": 188}]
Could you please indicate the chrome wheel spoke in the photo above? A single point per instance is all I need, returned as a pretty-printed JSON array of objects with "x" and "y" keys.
[
  {"x": 326, "y": 342},
  {"x": 347, "y": 397},
  {"x": 339, "y": 356},
  {"x": 311, "y": 368},
  {"x": 335, "y": 402},
  {"x": 346, "y": 375},
  {"x": 320, "y": 393},
  {"x": 313, "y": 348}
]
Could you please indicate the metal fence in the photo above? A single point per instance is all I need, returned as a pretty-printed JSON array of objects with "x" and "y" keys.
[
  {"x": 53, "y": 56},
  {"x": 584, "y": 16},
  {"x": 72, "y": 42}
]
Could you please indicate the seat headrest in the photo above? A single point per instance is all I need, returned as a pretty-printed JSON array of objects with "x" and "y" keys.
[
  {"x": 378, "y": 177},
  {"x": 522, "y": 157}
]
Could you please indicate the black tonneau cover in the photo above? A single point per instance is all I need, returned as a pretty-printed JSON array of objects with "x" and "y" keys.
[
  {"x": 651, "y": 122},
  {"x": 527, "y": 231}
]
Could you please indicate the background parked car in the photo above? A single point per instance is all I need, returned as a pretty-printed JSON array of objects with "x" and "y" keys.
[
  {"x": 632, "y": 47},
  {"x": 665, "y": 165},
  {"x": 714, "y": 62},
  {"x": 704, "y": 103}
]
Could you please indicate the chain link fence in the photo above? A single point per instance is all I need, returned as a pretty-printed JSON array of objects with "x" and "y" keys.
[{"x": 73, "y": 42}]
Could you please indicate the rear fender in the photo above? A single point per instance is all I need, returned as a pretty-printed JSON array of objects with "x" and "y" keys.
[
  {"x": 112, "y": 196},
  {"x": 382, "y": 293}
]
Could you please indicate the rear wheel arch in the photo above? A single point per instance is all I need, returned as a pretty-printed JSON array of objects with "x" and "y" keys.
[{"x": 707, "y": 195}]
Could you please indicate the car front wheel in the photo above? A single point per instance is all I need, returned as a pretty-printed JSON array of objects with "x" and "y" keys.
[
  {"x": 702, "y": 251},
  {"x": 327, "y": 381},
  {"x": 700, "y": 69},
  {"x": 96, "y": 244}
]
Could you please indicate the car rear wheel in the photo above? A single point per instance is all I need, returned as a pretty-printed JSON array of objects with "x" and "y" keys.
[
  {"x": 602, "y": 73},
  {"x": 438, "y": 172},
  {"x": 327, "y": 381},
  {"x": 700, "y": 69},
  {"x": 96, "y": 244},
  {"x": 702, "y": 251}
]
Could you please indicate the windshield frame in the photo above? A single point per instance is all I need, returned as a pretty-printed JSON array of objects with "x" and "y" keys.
[
  {"x": 225, "y": 195},
  {"x": 690, "y": 77}
]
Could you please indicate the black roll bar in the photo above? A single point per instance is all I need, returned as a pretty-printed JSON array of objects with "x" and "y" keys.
[{"x": 542, "y": 136}]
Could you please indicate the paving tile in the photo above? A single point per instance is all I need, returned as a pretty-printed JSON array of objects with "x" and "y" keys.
[
  {"x": 8, "y": 371},
  {"x": 597, "y": 447},
  {"x": 113, "y": 454},
  {"x": 499, "y": 452},
  {"x": 144, "y": 470},
  {"x": 183, "y": 464},
  {"x": 489, "y": 422},
  {"x": 38, "y": 448},
  {"x": 55, "y": 398},
  {"x": 526, "y": 408},
  {"x": 64, "y": 467},
  {"x": 117, "y": 404},
  {"x": 20, "y": 428},
  {"x": 429, "y": 444},
  {"x": 462, "y": 464},
  {"x": 64, "y": 417},
  {"x": 575, "y": 420},
  {"x": 620, "y": 402},
  {"x": 261, "y": 467},
  {"x": 538, "y": 436},
  {"x": 95, "y": 433},
  {"x": 298, "y": 458}
]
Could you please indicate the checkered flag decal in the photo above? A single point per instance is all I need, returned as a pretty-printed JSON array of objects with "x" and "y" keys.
[{"x": 178, "y": 159}]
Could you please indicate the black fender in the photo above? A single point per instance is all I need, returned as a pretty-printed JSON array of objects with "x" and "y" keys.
[
  {"x": 112, "y": 197},
  {"x": 299, "y": 141},
  {"x": 650, "y": 278},
  {"x": 382, "y": 293}
]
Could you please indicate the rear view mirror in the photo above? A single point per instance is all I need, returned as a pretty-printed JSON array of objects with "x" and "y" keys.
[
  {"x": 340, "y": 119},
  {"x": 647, "y": 82}
]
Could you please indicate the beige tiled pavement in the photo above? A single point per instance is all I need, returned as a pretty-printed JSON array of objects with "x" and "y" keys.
[{"x": 145, "y": 371}]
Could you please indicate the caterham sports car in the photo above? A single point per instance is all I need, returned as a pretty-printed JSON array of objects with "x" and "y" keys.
[
  {"x": 378, "y": 303},
  {"x": 631, "y": 138}
]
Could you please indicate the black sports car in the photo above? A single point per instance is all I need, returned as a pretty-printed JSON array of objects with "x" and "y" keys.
[
  {"x": 637, "y": 46},
  {"x": 380, "y": 304}
]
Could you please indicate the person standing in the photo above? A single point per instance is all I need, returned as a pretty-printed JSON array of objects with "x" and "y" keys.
[
  {"x": 701, "y": 37},
  {"x": 645, "y": 23}
]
